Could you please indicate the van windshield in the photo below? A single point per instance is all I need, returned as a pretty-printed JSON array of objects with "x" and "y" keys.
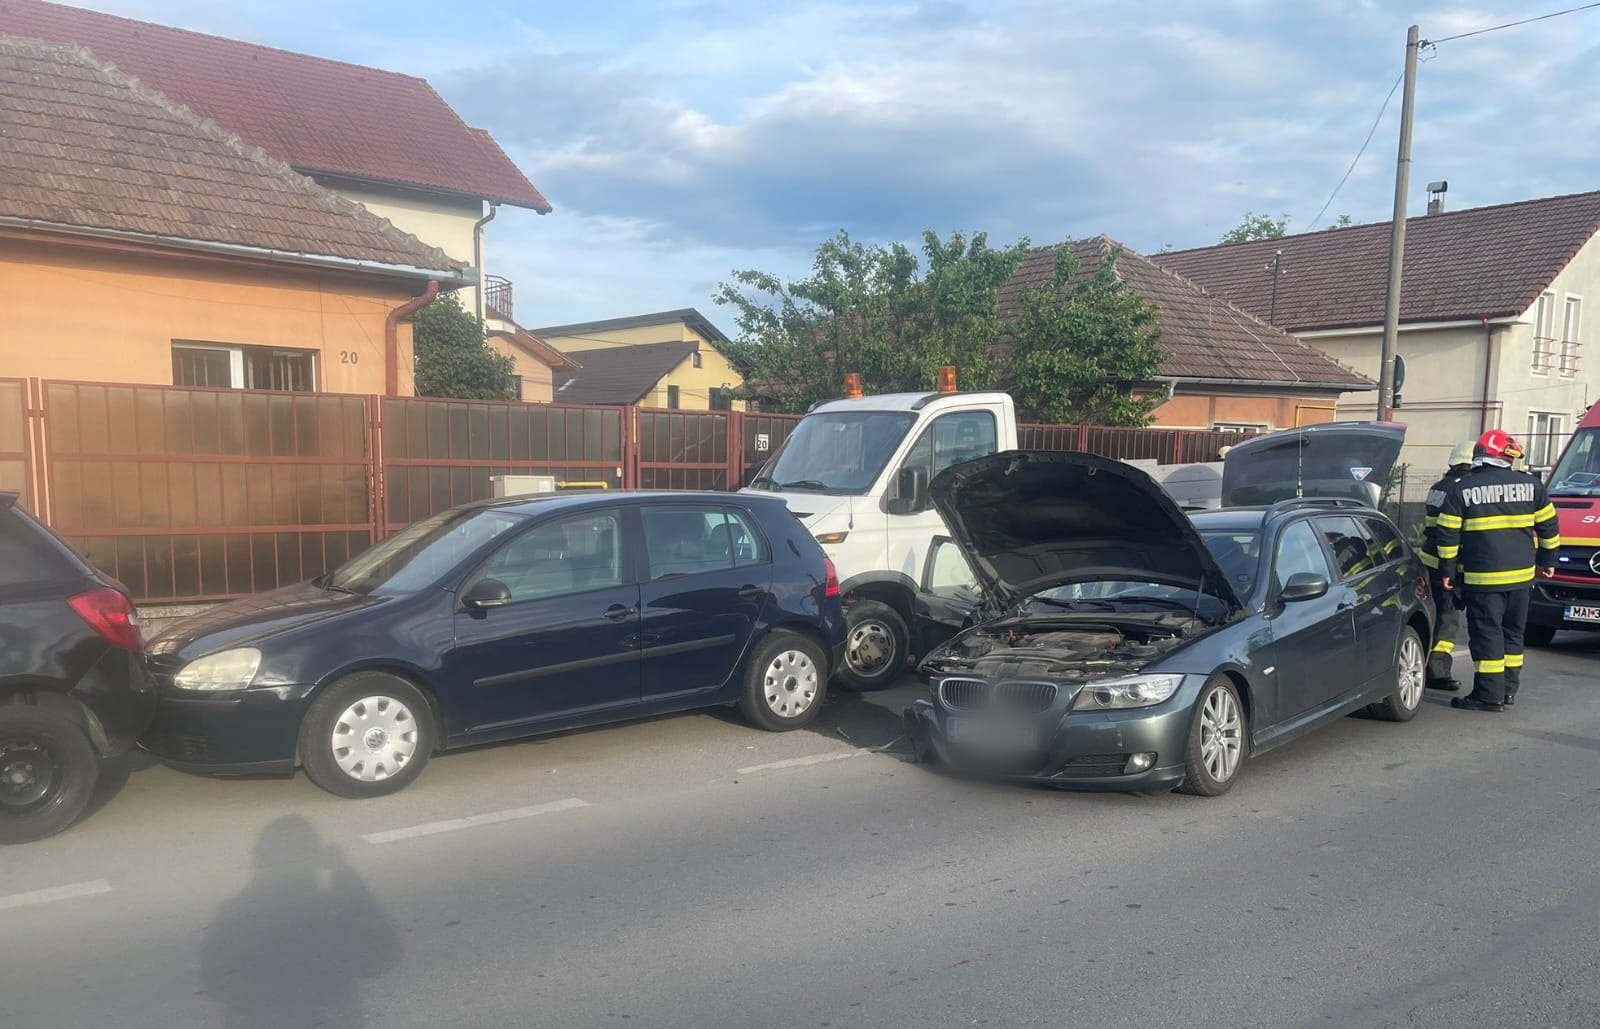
[
  {"x": 840, "y": 452},
  {"x": 1578, "y": 472}
]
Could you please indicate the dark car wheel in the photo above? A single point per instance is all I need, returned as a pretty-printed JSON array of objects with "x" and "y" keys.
[
  {"x": 1539, "y": 635},
  {"x": 785, "y": 683},
  {"x": 1218, "y": 741},
  {"x": 367, "y": 735},
  {"x": 1410, "y": 671},
  {"x": 48, "y": 770},
  {"x": 877, "y": 644}
]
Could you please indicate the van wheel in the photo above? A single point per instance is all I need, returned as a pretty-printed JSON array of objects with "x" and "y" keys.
[
  {"x": 877, "y": 643},
  {"x": 1539, "y": 635},
  {"x": 1219, "y": 741},
  {"x": 785, "y": 683},
  {"x": 48, "y": 770},
  {"x": 367, "y": 735}
]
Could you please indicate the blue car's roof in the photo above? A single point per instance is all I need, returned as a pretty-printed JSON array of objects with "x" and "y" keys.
[{"x": 546, "y": 503}]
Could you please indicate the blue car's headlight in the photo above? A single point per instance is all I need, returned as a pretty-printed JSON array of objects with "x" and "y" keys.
[
  {"x": 1121, "y": 694},
  {"x": 224, "y": 670}
]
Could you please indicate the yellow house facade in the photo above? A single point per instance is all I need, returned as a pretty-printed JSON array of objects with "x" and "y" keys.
[{"x": 670, "y": 359}]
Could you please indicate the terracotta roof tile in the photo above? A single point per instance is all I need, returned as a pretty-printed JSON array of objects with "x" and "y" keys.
[
  {"x": 1479, "y": 262},
  {"x": 316, "y": 114},
  {"x": 620, "y": 375},
  {"x": 1204, "y": 336},
  {"x": 84, "y": 146}
]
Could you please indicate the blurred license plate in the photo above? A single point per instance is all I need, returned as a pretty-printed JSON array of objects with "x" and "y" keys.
[
  {"x": 1579, "y": 613},
  {"x": 988, "y": 735}
]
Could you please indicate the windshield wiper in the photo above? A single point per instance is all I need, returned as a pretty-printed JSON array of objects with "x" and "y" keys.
[
  {"x": 333, "y": 587},
  {"x": 1161, "y": 602},
  {"x": 811, "y": 484},
  {"x": 1075, "y": 605}
]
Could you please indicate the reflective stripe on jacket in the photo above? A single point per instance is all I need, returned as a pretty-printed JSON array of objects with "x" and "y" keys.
[{"x": 1487, "y": 523}]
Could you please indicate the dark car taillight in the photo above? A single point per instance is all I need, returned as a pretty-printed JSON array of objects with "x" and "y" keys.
[
  {"x": 112, "y": 615},
  {"x": 830, "y": 588}
]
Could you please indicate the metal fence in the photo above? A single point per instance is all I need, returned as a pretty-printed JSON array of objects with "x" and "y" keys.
[
  {"x": 15, "y": 450},
  {"x": 198, "y": 493},
  {"x": 202, "y": 494},
  {"x": 440, "y": 453}
]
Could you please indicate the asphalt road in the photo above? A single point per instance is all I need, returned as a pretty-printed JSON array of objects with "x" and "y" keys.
[{"x": 689, "y": 871}]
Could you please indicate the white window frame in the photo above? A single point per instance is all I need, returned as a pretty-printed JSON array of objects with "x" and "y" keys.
[
  {"x": 1240, "y": 427},
  {"x": 1555, "y": 431},
  {"x": 1544, "y": 314},
  {"x": 694, "y": 359},
  {"x": 1571, "y": 326},
  {"x": 235, "y": 352}
]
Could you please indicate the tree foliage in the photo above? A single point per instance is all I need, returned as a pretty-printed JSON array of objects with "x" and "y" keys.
[
  {"x": 895, "y": 317},
  {"x": 453, "y": 359},
  {"x": 880, "y": 311},
  {"x": 1079, "y": 344},
  {"x": 1256, "y": 226}
]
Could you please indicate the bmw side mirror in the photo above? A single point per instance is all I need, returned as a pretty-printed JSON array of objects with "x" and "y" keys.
[
  {"x": 1303, "y": 586},
  {"x": 486, "y": 593},
  {"x": 911, "y": 491}
]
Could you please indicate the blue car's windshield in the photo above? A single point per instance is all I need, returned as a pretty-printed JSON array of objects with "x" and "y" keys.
[{"x": 420, "y": 554}]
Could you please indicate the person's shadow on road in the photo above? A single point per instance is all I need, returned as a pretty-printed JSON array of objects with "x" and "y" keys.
[{"x": 290, "y": 951}]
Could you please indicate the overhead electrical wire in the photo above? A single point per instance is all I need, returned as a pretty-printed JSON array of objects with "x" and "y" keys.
[
  {"x": 1357, "y": 160},
  {"x": 1508, "y": 25}
]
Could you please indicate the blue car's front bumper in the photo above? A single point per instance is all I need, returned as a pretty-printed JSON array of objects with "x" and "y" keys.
[{"x": 242, "y": 732}]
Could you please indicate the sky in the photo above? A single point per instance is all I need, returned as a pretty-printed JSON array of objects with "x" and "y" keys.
[{"x": 679, "y": 140}]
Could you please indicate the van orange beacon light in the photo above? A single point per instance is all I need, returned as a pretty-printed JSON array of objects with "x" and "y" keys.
[
  {"x": 947, "y": 379},
  {"x": 852, "y": 386}
]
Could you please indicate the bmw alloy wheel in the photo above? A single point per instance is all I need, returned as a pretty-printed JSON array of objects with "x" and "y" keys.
[
  {"x": 1411, "y": 671},
  {"x": 374, "y": 738},
  {"x": 1221, "y": 735},
  {"x": 790, "y": 684}
]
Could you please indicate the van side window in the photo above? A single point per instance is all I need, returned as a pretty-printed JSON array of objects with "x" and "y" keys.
[{"x": 952, "y": 439}]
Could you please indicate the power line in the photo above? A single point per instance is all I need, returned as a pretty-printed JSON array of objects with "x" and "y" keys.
[
  {"x": 1511, "y": 24},
  {"x": 1364, "y": 144}
]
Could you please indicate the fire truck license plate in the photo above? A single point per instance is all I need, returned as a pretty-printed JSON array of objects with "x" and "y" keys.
[{"x": 1577, "y": 613}]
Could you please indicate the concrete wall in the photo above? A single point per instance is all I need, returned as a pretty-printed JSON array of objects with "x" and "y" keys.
[
  {"x": 442, "y": 222},
  {"x": 105, "y": 314},
  {"x": 1205, "y": 410},
  {"x": 537, "y": 377}
]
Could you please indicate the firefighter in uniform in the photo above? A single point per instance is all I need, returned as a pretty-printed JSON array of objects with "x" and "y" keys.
[
  {"x": 1487, "y": 527},
  {"x": 1440, "y": 676}
]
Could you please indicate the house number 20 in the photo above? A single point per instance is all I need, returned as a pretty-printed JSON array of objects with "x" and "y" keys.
[{"x": 349, "y": 357}]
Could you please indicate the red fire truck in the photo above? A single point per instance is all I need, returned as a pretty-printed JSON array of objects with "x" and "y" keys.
[{"x": 1571, "y": 600}]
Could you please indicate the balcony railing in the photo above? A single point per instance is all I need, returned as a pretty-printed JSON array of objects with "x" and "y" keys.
[
  {"x": 497, "y": 297},
  {"x": 1551, "y": 353}
]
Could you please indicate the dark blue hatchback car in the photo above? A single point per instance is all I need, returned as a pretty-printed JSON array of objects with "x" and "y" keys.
[{"x": 504, "y": 619}]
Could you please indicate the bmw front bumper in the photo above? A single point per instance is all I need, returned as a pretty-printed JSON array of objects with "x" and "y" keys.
[{"x": 1086, "y": 750}]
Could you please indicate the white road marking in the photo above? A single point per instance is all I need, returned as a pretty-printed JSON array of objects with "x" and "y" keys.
[
  {"x": 472, "y": 821},
  {"x": 54, "y": 893},
  {"x": 799, "y": 762}
]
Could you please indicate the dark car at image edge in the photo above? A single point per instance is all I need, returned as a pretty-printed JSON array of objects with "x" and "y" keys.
[
  {"x": 1125, "y": 645},
  {"x": 504, "y": 619},
  {"x": 73, "y": 684}
]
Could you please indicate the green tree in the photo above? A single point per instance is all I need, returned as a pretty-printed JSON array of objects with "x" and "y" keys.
[
  {"x": 1256, "y": 226},
  {"x": 452, "y": 357},
  {"x": 885, "y": 312},
  {"x": 1079, "y": 344},
  {"x": 1344, "y": 221}
]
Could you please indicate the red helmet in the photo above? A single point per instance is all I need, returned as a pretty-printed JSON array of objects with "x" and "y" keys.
[{"x": 1498, "y": 443}]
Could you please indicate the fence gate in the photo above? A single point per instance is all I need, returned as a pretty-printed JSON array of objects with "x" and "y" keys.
[
  {"x": 195, "y": 494},
  {"x": 16, "y": 453}
]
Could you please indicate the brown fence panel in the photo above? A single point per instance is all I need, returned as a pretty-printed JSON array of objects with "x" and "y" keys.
[
  {"x": 762, "y": 434},
  {"x": 196, "y": 494},
  {"x": 1165, "y": 446},
  {"x": 439, "y": 453},
  {"x": 683, "y": 450},
  {"x": 15, "y": 454}
]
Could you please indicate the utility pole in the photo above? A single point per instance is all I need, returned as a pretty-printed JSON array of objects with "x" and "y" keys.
[{"x": 1397, "y": 233}]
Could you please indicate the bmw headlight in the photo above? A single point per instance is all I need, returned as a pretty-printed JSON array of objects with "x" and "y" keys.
[
  {"x": 224, "y": 670},
  {"x": 1121, "y": 694}
]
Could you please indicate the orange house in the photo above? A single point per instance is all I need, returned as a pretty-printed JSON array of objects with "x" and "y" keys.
[{"x": 141, "y": 244}]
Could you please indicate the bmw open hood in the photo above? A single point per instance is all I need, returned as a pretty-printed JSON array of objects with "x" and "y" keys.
[
  {"x": 1030, "y": 521},
  {"x": 1347, "y": 460}
]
